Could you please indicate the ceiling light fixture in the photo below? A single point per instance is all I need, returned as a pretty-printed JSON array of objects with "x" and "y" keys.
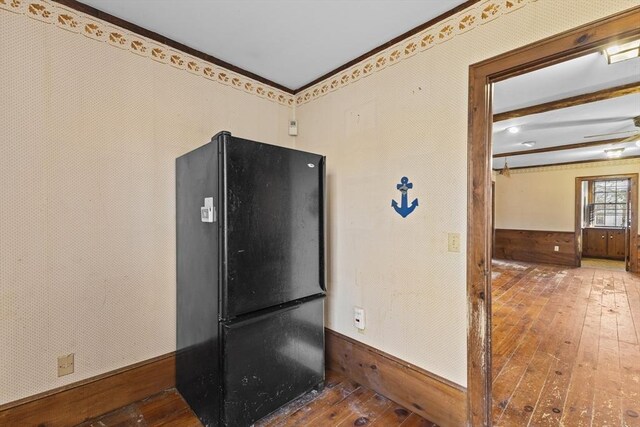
[
  {"x": 513, "y": 129},
  {"x": 505, "y": 170},
  {"x": 614, "y": 153},
  {"x": 622, "y": 52},
  {"x": 529, "y": 143}
]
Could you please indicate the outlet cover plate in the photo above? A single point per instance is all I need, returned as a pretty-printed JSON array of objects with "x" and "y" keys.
[
  {"x": 454, "y": 242},
  {"x": 358, "y": 318},
  {"x": 65, "y": 365}
]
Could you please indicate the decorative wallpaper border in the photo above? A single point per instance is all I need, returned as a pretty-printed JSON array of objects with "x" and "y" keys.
[
  {"x": 79, "y": 23},
  {"x": 586, "y": 165},
  {"x": 466, "y": 20}
]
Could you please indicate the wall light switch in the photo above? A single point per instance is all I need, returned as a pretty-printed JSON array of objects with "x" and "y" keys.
[
  {"x": 556, "y": 248},
  {"x": 358, "y": 317},
  {"x": 65, "y": 365},
  {"x": 454, "y": 242}
]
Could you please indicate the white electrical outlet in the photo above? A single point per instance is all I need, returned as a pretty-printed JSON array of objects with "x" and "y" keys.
[
  {"x": 358, "y": 318},
  {"x": 454, "y": 242},
  {"x": 65, "y": 364},
  {"x": 556, "y": 248}
]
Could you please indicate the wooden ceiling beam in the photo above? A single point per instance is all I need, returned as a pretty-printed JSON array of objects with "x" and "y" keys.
[
  {"x": 586, "y": 98},
  {"x": 577, "y": 162},
  {"x": 560, "y": 147}
]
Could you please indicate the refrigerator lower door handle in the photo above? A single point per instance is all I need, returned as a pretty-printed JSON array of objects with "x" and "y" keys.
[{"x": 253, "y": 319}]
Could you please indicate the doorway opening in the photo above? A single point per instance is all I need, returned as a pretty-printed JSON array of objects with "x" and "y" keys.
[
  {"x": 606, "y": 207},
  {"x": 551, "y": 342},
  {"x": 592, "y": 38}
]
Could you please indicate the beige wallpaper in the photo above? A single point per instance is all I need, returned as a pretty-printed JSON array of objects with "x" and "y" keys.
[
  {"x": 92, "y": 125},
  {"x": 544, "y": 198},
  {"x": 410, "y": 119},
  {"x": 87, "y": 218}
]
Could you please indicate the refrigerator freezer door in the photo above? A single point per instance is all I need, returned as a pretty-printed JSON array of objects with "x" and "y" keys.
[
  {"x": 273, "y": 219},
  {"x": 270, "y": 360}
]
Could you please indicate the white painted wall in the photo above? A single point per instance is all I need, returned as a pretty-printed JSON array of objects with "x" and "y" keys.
[{"x": 544, "y": 198}]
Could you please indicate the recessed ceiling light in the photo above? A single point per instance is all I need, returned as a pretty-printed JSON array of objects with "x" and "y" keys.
[
  {"x": 638, "y": 143},
  {"x": 614, "y": 152},
  {"x": 622, "y": 52},
  {"x": 529, "y": 143},
  {"x": 513, "y": 129}
]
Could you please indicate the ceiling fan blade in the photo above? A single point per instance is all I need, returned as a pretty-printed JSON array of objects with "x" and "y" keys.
[
  {"x": 611, "y": 133},
  {"x": 633, "y": 138},
  {"x": 572, "y": 123}
]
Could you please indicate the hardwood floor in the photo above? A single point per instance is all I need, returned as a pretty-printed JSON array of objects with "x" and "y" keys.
[
  {"x": 341, "y": 403},
  {"x": 605, "y": 264},
  {"x": 164, "y": 409},
  {"x": 566, "y": 346}
]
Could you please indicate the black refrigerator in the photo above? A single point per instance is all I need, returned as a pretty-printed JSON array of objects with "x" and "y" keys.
[{"x": 250, "y": 278}]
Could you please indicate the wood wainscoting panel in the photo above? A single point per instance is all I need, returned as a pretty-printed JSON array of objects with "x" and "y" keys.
[
  {"x": 428, "y": 395},
  {"x": 536, "y": 246},
  {"x": 78, "y": 402}
]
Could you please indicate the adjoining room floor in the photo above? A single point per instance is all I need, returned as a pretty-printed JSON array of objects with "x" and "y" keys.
[
  {"x": 606, "y": 264},
  {"x": 341, "y": 403},
  {"x": 565, "y": 346}
]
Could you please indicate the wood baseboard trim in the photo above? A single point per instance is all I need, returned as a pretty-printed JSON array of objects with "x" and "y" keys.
[
  {"x": 427, "y": 394},
  {"x": 89, "y": 398}
]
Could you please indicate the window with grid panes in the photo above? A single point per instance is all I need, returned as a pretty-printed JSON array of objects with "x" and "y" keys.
[{"x": 609, "y": 203}]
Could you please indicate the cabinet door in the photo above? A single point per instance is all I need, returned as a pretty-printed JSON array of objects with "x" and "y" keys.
[
  {"x": 597, "y": 242},
  {"x": 616, "y": 244}
]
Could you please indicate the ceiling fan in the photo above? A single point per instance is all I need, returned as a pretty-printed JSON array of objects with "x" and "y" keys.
[{"x": 634, "y": 137}]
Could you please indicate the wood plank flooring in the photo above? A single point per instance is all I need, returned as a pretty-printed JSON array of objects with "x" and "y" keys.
[
  {"x": 341, "y": 403},
  {"x": 164, "y": 409},
  {"x": 565, "y": 346},
  {"x": 605, "y": 264}
]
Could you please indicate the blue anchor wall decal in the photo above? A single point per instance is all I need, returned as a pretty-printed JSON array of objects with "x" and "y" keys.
[{"x": 404, "y": 209}]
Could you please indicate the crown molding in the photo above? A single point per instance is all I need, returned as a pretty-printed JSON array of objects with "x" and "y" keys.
[
  {"x": 151, "y": 35},
  {"x": 580, "y": 164},
  {"x": 74, "y": 21},
  {"x": 433, "y": 35},
  {"x": 79, "y": 18},
  {"x": 390, "y": 43}
]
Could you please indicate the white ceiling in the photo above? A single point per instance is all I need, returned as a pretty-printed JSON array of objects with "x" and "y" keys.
[
  {"x": 293, "y": 42},
  {"x": 568, "y": 125},
  {"x": 290, "y": 42},
  {"x": 585, "y": 74}
]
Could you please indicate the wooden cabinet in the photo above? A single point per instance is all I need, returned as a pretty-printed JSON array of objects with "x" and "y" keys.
[
  {"x": 594, "y": 242},
  {"x": 603, "y": 243},
  {"x": 616, "y": 243}
]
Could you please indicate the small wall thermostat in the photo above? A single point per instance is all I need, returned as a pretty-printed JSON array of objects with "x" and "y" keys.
[
  {"x": 293, "y": 127},
  {"x": 207, "y": 212}
]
